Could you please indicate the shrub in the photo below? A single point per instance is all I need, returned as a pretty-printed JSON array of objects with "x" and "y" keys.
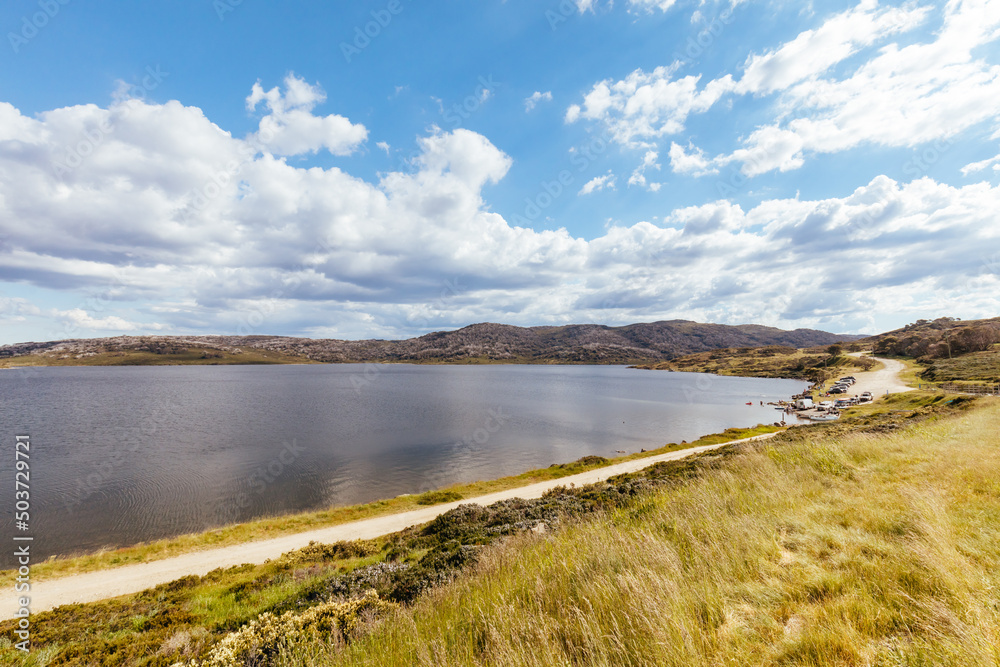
[
  {"x": 265, "y": 637},
  {"x": 339, "y": 550}
]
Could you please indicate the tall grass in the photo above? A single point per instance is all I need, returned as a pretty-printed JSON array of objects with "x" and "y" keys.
[{"x": 850, "y": 550}]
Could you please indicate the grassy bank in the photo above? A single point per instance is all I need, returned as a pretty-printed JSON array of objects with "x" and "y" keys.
[
  {"x": 285, "y": 525},
  {"x": 974, "y": 367},
  {"x": 872, "y": 545},
  {"x": 771, "y": 362}
]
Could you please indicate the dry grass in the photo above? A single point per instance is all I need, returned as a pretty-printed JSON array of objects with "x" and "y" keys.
[{"x": 857, "y": 549}]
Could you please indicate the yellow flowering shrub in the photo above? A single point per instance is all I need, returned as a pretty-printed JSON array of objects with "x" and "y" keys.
[{"x": 264, "y": 637}]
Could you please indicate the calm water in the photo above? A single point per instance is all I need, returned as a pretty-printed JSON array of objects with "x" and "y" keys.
[{"x": 121, "y": 455}]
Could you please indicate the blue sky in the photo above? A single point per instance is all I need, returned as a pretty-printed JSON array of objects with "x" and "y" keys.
[{"x": 245, "y": 167}]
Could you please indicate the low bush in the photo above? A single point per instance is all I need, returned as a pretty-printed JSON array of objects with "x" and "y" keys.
[{"x": 264, "y": 638}]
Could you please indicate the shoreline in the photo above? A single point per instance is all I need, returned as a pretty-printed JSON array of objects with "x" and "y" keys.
[
  {"x": 112, "y": 573},
  {"x": 102, "y": 584},
  {"x": 111, "y": 556},
  {"x": 271, "y": 526},
  {"x": 267, "y": 527}
]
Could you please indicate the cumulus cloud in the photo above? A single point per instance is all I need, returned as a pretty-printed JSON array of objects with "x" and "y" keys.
[
  {"x": 814, "y": 52},
  {"x": 16, "y": 309},
  {"x": 691, "y": 160},
  {"x": 974, "y": 167},
  {"x": 647, "y": 105},
  {"x": 187, "y": 228},
  {"x": 638, "y": 176},
  {"x": 832, "y": 89},
  {"x": 536, "y": 97},
  {"x": 291, "y": 129},
  {"x": 598, "y": 183},
  {"x": 80, "y": 319}
]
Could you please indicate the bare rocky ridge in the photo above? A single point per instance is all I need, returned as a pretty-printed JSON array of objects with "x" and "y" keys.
[{"x": 483, "y": 343}]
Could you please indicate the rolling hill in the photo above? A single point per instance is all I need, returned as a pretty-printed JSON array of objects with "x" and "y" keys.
[{"x": 477, "y": 343}]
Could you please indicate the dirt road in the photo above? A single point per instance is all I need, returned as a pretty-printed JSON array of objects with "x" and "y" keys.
[
  {"x": 880, "y": 382},
  {"x": 103, "y": 584},
  {"x": 46, "y": 595}
]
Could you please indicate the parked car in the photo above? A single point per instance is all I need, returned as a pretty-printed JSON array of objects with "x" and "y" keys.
[{"x": 838, "y": 390}]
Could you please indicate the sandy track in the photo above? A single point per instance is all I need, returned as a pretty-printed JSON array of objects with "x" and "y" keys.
[
  {"x": 880, "y": 382},
  {"x": 103, "y": 584},
  {"x": 46, "y": 595}
]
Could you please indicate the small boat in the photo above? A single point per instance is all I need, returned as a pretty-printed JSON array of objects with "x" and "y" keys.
[
  {"x": 749, "y": 402},
  {"x": 823, "y": 417}
]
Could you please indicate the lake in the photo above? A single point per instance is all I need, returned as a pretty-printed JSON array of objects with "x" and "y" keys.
[{"x": 121, "y": 455}]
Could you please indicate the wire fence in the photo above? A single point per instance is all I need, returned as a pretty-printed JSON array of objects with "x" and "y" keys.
[{"x": 976, "y": 389}]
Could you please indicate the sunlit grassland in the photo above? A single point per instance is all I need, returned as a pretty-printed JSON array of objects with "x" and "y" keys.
[
  {"x": 972, "y": 367},
  {"x": 831, "y": 547}
]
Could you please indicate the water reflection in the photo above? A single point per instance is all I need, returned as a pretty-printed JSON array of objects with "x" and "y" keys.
[{"x": 122, "y": 455}]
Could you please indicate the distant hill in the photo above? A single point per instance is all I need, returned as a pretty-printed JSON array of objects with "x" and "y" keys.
[
  {"x": 478, "y": 343},
  {"x": 950, "y": 349},
  {"x": 945, "y": 337}
]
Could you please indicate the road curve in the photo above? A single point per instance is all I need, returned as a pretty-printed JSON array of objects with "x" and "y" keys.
[{"x": 883, "y": 381}]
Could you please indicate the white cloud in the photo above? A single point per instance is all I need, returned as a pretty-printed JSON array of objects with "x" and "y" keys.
[
  {"x": 78, "y": 318},
  {"x": 662, "y": 5},
  {"x": 383, "y": 145},
  {"x": 974, "y": 167},
  {"x": 16, "y": 309},
  {"x": 195, "y": 233},
  {"x": 536, "y": 97},
  {"x": 814, "y": 52},
  {"x": 638, "y": 176},
  {"x": 900, "y": 95},
  {"x": 645, "y": 106},
  {"x": 598, "y": 183},
  {"x": 904, "y": 96},
  {"x": 694, "y": 162},
  {"x": 291, "y": 129}
]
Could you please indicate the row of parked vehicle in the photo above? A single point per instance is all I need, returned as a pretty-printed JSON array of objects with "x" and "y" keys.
[{"x": 843, "y": 384}]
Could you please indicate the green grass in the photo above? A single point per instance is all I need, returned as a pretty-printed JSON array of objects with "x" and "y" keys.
[
  {"x": 827, "y": 547},
  {"x": 972, "y": 367},
  {"x": 277, "y": 526}
]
